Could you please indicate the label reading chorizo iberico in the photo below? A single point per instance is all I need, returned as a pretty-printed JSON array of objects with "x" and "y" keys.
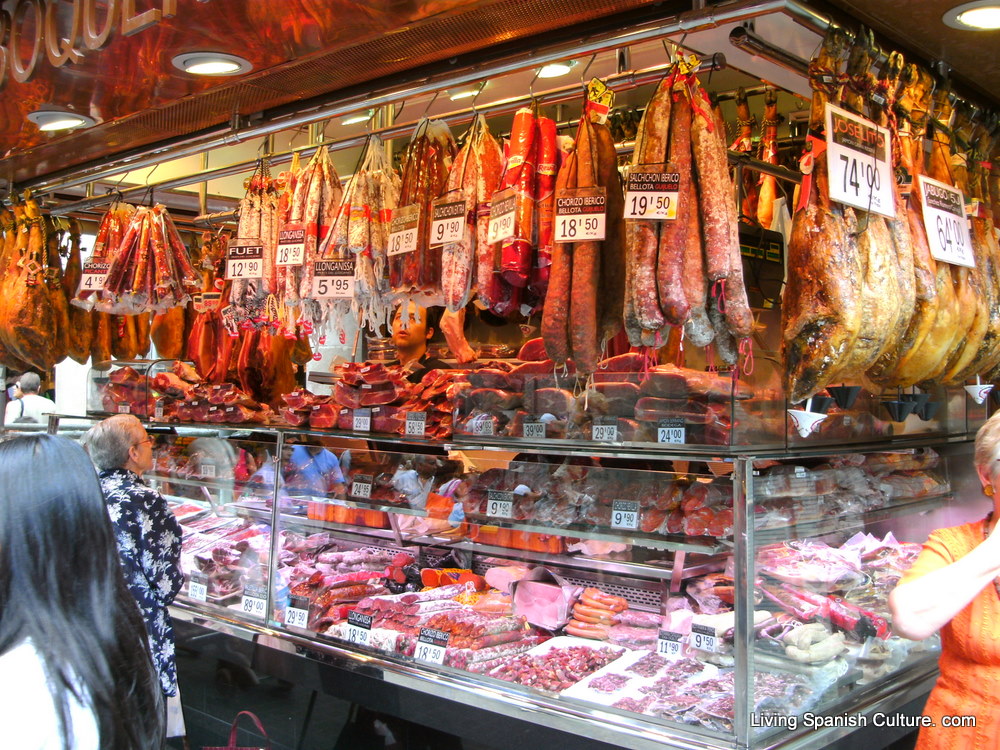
[
  {"x": 333, "y": 279},
  {"x": 503, "y": 209},
  {"x": 94, "y": 276},
  {"x": 431, "y": 645},
  {"x": 403, "y": 230},
  {"x": 857, "y": 158},
  {"x": 581, "y": 214},
  {"x": 945, "y": 222},
  {"x": 291, "y": 245},
  {"x": 245, "y": 259},
  {"x": 447, "y": 221},
  {"x": 651, "y": 192}
]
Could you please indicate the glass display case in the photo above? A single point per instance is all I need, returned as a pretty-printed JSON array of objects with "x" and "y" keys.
[
  {"x": 645, "y": 598},
  {"x": 140, "y": 387}
]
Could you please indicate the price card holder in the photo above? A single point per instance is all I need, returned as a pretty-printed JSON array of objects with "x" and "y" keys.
[
  {"x": 857, "y": 158},
  {"x": 431, "y": 645},
  {"x": 416, "y": 424},
  {"x": 651, "y": 192},
  {"x": 244, "y": 259},
  {"x": 94, "y": 276},
  {"x": 625, "y": 514},
  {"x": 533, "y": 430},
  {"x": 254, "y": 601},
  {"x": 291, "y": 245},
  {"x": 499, "y": 504},
  {"x": 604, "y": 430},
  {"x": 198, "y": 587},
  {"x": 703, "y": 638},
  {"x": 361, "y": 486},
  {"x": 208, "y": 470},
  {"x": 297, "y": 612},
  {"x": 333, "y": 279},
  {"x": 447, "y": 221},
  {"x": 670, "y": 644},
  {"x": 946, "y": 223},
  {"x": 581, "y": 215},
  {"x": 124, "y": 408},
  {"x": 359, "y": 628},
  {"x": 403, "y": 230},
  {"x": 503, "y": 209},
  {"x": 158, "y": 408},
  {"x": 482, "y": 426},
  {"x": 670, "y": 431},
  {"x": 361, "y": 420}
]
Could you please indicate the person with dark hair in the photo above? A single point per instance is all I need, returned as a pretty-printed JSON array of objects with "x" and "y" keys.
[
  {"x": 412, "y": 327},
  {"x": 27, "y": 405},
  {"x": 148, "y": 537},
  {"x": 75, "y": 669}
]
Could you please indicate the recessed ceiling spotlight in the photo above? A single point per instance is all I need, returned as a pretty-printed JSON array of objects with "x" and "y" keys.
[
  {"x": 554, "y": 70},
  {"x": 359, "y": 117},
  {"x": 978, "y": 16},
  {"x": 59, "y": 119},
  {"x": 211, "y": 64}
]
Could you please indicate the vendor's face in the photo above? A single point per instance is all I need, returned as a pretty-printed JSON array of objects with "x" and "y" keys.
[{"x": 409, "y": 327}]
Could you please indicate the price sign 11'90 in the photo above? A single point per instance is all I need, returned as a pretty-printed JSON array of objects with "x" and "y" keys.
[{"x": 670, "y": 644}]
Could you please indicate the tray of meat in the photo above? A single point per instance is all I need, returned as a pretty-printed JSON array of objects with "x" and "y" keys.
[
  {"x": 186, "y": 512},
  {"x": 557, "y": 664}
]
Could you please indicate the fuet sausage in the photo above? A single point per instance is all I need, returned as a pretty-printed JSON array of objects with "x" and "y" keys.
[
  {"x": 673, "y": 234},
  {"x": 586, "y": 266}
]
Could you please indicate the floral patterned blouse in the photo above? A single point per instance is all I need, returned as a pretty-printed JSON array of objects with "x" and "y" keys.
[{"x": 149, "y": 545}]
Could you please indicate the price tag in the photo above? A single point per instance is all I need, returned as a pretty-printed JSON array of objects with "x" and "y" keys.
[
  {"x": 208, "y": 470},
  {"x": 123, "y": 408},
  {"x": 359, "y": 628},
  {"x": 431, "y": 645},
  {"x": 245, "y": 259},
  {"x": 403, "y": 230},
  {"x": 703, "y": 638},
  {"x": 651, "y": 192},
  {"x": 447, "y": 222},
  {"x": 333, "y": 279},
  {"x": 625, "y": 514},
  {"x": 291, "y": 245},
  {"x": 254, "y": 601},
  {"x": 604, "y": 430},
  {"x": 482, "y": 426},
  {"x": 669, "y": 644},
  {"x": 581, "y": 215},
  {"x": 946, "y": 224},
  {"x": 416, "y": 424},
  {"x": 535, "y": 430},
  {"x": 857, "y": 157},
  {"x": 198, "y": 587},
  {"x": 670, "y": 431},
  {"x": 362, "y": 420},
  {"x": 361, "y": 486},
  {"x": 297, "y": 612},
  {"x": 94, "y": 276},
  {"x": 502, "y": 212},
  {"x": 499, "y": 504}
]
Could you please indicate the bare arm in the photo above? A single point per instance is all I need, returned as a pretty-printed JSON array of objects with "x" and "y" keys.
[{"x": 923, "y": 606}]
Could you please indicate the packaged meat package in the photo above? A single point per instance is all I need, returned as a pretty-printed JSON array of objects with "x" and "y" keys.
[{"x": 544, "y": 599}]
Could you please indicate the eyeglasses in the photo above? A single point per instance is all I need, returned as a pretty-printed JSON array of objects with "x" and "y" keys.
[{"x": 143, "y": 442}]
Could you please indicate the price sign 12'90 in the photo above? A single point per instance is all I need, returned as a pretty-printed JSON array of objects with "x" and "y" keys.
[{"x": 245, "y": 260}]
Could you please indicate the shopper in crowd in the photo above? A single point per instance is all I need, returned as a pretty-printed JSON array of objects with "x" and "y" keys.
[
  {"x": 413, "y": 327},
  {"x": 75, "y": 671},
  {"x": 27, "y": 406},
  {"x": 148, "y": 536},
  {"x": 953, "y": 587}
]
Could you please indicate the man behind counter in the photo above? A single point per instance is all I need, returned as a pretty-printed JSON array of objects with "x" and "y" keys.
[{"x": 413, "y": 327}]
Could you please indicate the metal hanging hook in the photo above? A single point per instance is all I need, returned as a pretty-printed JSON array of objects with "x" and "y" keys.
[
  {"x": 583, "y": 75},
  {"x": 430, "y": 103}
]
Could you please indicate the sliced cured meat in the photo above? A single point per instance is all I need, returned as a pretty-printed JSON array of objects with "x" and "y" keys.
[{"x": 533, "y": 350}]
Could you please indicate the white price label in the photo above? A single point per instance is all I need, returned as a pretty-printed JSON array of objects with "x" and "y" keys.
[
  {"x": 361, "y": 486},
  {"x": 534, "y": 430},
  {"x": 333, "y": 279},
  {"x": 208, "y": 470},
  {"x": 416, "y": 424},
  {"x": 703, "y": 638},
  {"x": 448, "y": 222},
  {"x": 581, "y": 215},
  {"x": 362, "y": 420},
  {"x": 254, "y": 601},
  {"x": 198, "y": 587},
  {"x": 670, "y": 644},
  {"x": 297, "y": 612},
  {"x": 244, "y": 259},
  {"x": 499, "y": 504},
  {"x": 291, "y": 246},
  {"x": 359, "y": 629},
  {"x": 482, "y": 426},
  {"x": 431, "y": 645},
  {"x": 94, "y": 276},
  {"x": 625, "y": 514},
  {"x": 946, "y": 224},
  {"x": 403, "y": 230},
  {"x": 857, "y": 158},
  {"x": 503, "y": 209},
  {"x": 670, "y": 431},
  {"x": 604, "y": 432},
  {"x": 651, "y": 193},
  {"x": 158, "y": 409},
  {"x": 124, "y": 408}
]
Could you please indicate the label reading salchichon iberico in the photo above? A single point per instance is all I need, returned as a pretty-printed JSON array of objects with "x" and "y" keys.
[
  {"x": 503, "y": 208},
  {"x": 447, "y": 221},
  {"x": 581, "y": 214},
  {"x": 651, "y": 192}
]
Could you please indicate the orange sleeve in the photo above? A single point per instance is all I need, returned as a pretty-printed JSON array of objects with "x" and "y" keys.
[{"x": 934, "y": 556}]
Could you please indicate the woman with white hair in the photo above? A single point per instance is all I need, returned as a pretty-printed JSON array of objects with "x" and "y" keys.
[
  {"x": 953, "y": 587},
  {"x": 147, "y": 533}
]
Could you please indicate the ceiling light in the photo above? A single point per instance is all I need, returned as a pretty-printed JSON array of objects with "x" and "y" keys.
[
  {"x": 464, "y": 94},
  {"x": 359, "y": 117},
  {"x": 211, "y": 64},
  {"x": 978, "y": 16},
  {"x": 554, "y": 70},
  {"x": 59, "y": 119}
]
